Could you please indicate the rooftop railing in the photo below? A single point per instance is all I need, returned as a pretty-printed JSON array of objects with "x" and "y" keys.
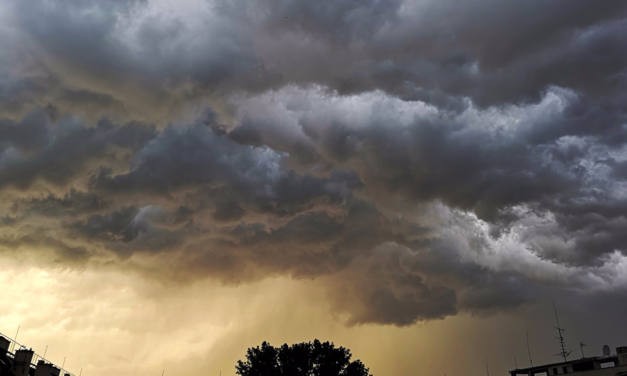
[{"x": 14, "y": 346}]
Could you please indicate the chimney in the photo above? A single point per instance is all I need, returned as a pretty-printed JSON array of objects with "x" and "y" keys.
[
  {"x": 46, "y": 369},
  {"x": 4, "y": 344},
  {"x": 21, "y": 362},
  {"x": 621, "y": 353}
]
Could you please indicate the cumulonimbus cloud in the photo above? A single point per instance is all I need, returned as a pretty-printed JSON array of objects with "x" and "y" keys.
[{"x": 414, "y": 168}]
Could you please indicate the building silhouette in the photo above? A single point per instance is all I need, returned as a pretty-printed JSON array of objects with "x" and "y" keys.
[
  {"x": 605, "y": 365},
  {"x": 17, "y": 360}
]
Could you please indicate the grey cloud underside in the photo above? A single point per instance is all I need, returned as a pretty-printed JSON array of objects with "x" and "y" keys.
[
  {"x": 417, "y": 159},
  {"x": 559, "y": 162},
  {"x": 493, "y": 52}
]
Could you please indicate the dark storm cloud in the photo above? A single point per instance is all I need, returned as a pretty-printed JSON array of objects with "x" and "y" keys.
[
  {"x": 555, "y": 157},
  {"x": 417, "y": 158},
  {"x": 36, "y": 149},
  {"x": 203, "y": 201},
  {"x": 499, "y": 52},
  {"x": 323, "y": 230},
  {"x": 116, "y": 225},
  {"x": 46, "y": 247},
  {"x": 491, "y": 51},
  {"x": 184, "y": 157},
  {"x": 71, "y": 204},
  {"x": 309, "y": 245},
  {"x": 550, "y": 162},
  {"x": 153, "y": 62},
  {"x": 341, "y": 21},
  {"x": 384, "y": 288}
]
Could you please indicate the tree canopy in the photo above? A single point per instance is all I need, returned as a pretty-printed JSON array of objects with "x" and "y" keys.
[{"x": 300, "y": 359}]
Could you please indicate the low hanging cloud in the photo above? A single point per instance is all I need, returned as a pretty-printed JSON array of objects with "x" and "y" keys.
[{"x": 413, "y": 168}]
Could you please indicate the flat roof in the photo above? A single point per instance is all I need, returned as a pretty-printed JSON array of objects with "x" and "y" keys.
[{"x": 543, "y": 366}]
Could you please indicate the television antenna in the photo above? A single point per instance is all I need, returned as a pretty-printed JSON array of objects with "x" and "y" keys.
[
  {"x": 581, "y": 346},
  {"x": 528, "y": 350},
  {"x": 15, "y": 338},
  {"x": 606, "y": 350},
  {"x": 560, "y": 331}
]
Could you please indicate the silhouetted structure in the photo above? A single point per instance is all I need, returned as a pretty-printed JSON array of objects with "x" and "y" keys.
[
  {"x": 21, "y": 362},
  {"x": 560, "y": 337},
  {"x": 606, "y": 365},
  {"x": 307, "y": 358}
]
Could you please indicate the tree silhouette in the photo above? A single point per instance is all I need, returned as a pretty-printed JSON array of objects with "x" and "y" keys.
[{"x": 300, "y": 359}]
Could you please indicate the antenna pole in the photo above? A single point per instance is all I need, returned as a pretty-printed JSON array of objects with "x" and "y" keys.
[
  {"x": 487, "y": 370},
  {"x": 528, "y": 350},
  {"x": 46, "y": 351},
  {"x": 560, "y": 331},
  {"x": 15, "y": 339},
  {"x": 581, "y": 345},
  {"x": 515, "y": 362},
  {"x": 63, "y": 366}
]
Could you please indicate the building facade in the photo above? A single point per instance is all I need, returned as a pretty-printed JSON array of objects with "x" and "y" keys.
[
  {"x": 24, "y": 362},
  {"x": 608, "y": 365}
]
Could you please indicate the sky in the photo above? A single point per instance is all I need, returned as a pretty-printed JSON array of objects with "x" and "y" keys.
[{"x": 415, "y": 180}]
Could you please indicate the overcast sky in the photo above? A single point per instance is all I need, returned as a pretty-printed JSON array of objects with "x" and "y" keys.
[{"x": 410, "y": 179}]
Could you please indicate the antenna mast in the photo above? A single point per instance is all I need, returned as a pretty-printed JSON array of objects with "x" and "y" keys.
[
  {"x": 564, "y": 354},
  {"x": 487, "y": 370},
  {"x": 581, "y": 346},
  {"x": 528, "y": 350}
]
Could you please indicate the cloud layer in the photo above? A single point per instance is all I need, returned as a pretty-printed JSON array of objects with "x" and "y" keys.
[{"x": 416, "y": 159}]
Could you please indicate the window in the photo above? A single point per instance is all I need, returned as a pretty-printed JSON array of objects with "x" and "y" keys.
[
  {"x": 583, "y": 366},
  {"x": 555, "y": 371},
  {"x": 565, "y": 369}
]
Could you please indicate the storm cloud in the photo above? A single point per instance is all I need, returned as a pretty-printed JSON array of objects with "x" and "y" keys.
[{"x": 416, "y": 159}]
